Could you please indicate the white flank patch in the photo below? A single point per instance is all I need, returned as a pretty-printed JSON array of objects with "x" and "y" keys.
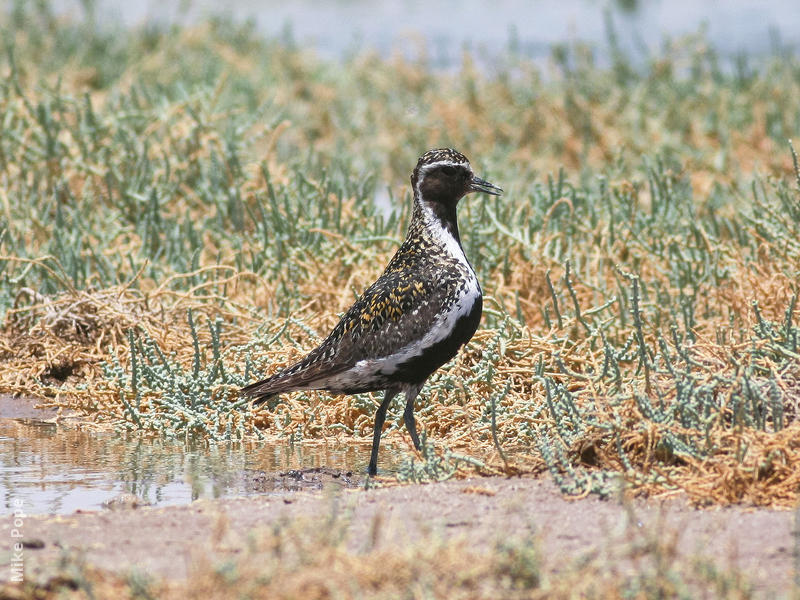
[
  {"x": 368, "y": 368},
  {"x": 442, "y": 327}
]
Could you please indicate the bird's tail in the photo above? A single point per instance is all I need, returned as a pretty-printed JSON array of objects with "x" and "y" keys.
[
  {"x": 301, "y": 376},
  {"x": 263, "y": 390}
]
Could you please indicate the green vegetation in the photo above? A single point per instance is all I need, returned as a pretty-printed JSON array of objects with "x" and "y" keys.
[{"x": 182, "y": 210}]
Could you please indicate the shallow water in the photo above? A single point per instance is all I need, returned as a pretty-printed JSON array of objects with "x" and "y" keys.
[{"x": 60, "y": 469}]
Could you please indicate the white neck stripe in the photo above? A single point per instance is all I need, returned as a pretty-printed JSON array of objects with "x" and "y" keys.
[{"x": 442, "y": 235}]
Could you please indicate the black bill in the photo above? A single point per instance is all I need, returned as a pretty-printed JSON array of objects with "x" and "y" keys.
[{"x": 479, "y": 185}]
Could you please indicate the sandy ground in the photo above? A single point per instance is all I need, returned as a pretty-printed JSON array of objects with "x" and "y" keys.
[{"x": 166, "y": 542}]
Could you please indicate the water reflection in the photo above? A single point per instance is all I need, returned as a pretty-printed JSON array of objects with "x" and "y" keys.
[{"x": 57, "y": 469}]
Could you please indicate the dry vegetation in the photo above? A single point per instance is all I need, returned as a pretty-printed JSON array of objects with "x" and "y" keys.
[
  {"x": 183, "y": 210},
  {"x": 300, "y": 562},
  {"x": 332, "y": 548}
]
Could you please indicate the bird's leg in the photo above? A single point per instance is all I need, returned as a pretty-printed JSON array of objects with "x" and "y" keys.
[
  {"x": 380, "y": 417},
  {"x": 408, "y": 415}
]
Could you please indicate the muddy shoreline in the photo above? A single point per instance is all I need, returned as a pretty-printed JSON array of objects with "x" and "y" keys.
[{"x": 166, "y": 543}]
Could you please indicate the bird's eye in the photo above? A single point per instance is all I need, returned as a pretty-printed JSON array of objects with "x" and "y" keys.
[{"x": 450, "y": 171}]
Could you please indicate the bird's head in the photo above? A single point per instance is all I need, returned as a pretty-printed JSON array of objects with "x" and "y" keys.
[{"x": 444, "y": 176}]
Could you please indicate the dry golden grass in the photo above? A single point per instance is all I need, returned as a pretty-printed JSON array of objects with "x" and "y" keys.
[{"x": 54, "y": 344}]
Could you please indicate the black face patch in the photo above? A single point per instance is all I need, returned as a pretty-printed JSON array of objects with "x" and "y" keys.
[{"x": 445, "y": 184}]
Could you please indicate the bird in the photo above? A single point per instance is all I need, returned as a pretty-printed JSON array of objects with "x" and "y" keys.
[{"x": 414, "y": 318}]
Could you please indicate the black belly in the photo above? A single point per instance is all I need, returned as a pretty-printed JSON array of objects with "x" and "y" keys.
[{"x": 418, "y": 368}]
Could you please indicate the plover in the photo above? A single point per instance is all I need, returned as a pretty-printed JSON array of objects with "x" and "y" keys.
[{"x": 414, "y": 318}]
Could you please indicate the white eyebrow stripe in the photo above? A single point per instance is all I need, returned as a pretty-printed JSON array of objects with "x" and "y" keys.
[{"x": 440, "y": 163}]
